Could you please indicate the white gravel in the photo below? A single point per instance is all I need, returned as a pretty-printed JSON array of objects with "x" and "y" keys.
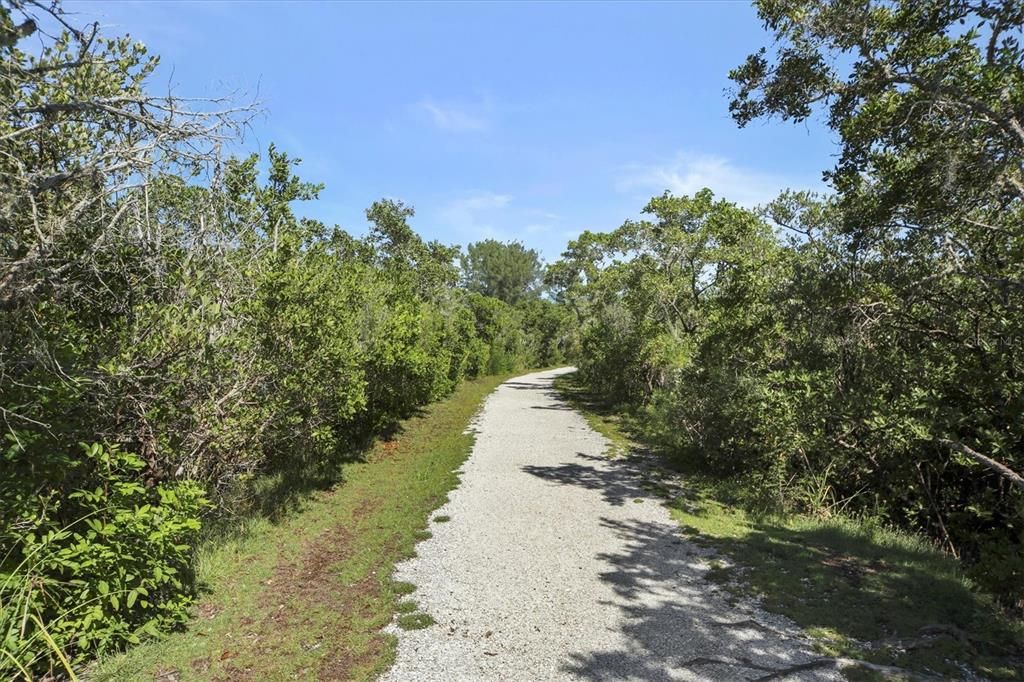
[{"x": 557, "y": 564}]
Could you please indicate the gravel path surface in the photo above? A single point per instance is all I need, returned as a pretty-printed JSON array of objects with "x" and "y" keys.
[{"x": 557, "y": 564}]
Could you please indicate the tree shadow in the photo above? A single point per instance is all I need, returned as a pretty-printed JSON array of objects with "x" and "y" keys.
[
  {"x": 525, "y": 386},
  {"x": 286, "y": 485},
  {"x": 865, "y": 584},
  {"x": 673, "y": 618},
  {"x": 546, "y": 389},
  {"x": 617, "y": 485},
  {"x": 570, "y": 387},
  {"x": 869, "y": 591}
]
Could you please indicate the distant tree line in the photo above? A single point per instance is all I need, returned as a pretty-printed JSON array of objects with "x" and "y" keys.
[
  {"x": 171, "y": 329},
  {"x": 860, "y": 353}
]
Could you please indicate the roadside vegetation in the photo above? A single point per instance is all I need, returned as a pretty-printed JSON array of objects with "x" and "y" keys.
[
  {"x": 306, "y": 596},
  {"x": 861, "y": 589},
  {"x": 192, "y": 372},
  {"x": 181, "y": 349},
  {"x": 857, "y": 354}
]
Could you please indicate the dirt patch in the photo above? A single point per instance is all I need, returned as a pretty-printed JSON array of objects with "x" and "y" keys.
[
  {"x": 298, "y": 587},
  {"x": 200, "y": 665},
  {"x": 310, "y": 579},
  {"x": 166, "y": 674},
  {"x": 340, "y": 663},
  {"x": 853, "y": 569},
  {"x": 385, "y": 450},
  {"x": 307, "y": 576},
  {"x": 208, "y": 610}
]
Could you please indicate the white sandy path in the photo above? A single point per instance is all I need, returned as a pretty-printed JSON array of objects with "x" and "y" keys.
[{"x": 557, "y": 564}]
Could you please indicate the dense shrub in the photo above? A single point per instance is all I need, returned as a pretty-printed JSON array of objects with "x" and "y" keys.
[
  {"x": 120, "y": 569},
  {"x": 169, "y": 307},
  {"x": 867, "y": 358}
]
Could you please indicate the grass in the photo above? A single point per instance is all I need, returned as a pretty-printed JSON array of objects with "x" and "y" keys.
[
  {"x": 443, "y": 518},
  {"x": 305, "y": 592},
  {"x": 603, "y": 418},
  {"x": 415, "y": 621},
  {"x": 400, "y": 588},
  {"x": 859, "y": 590},
  {"x": 849, "y": 583},
  {"x": 408, "y": 606}
]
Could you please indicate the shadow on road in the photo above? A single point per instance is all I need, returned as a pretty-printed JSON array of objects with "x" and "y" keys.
[
  {"x": 675, "y": 620},
  {"x": 677, "y": 623},
  {"x": 527, "y": 386},
  {"x": 617, "y": 486}
]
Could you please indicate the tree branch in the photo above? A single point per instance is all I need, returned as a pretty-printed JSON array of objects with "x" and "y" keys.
[{"x": 1001, "y": 469}]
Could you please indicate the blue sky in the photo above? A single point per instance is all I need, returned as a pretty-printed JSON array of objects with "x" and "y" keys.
[{"x": 528, "y": 121}]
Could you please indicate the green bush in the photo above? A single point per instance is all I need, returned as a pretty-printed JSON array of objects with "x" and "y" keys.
[
  {"x": 173, "y": 306},
  {"x": 98, "y": 561},
  {"x": 792, "y": 369}
]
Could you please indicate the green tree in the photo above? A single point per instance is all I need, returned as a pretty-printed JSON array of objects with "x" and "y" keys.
[
  {"x": 172, "y": 311},
  {"x": 647, "y": 291},
  {"x": 927, "y": 100},
  {"x": 506, "y": 271}
]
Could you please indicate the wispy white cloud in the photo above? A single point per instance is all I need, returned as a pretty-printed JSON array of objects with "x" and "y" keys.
[
  {"x": 456, "y": 117},
  {"x": 473, "y": 216},
  {"x": 689, "y": 173},
  {"x": 476, "y": 215}
]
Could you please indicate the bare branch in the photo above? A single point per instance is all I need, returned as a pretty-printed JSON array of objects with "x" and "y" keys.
[{"x": 998, "y": 467}]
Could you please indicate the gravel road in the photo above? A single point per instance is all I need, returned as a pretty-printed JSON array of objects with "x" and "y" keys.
[{"x": 557, "y": 564}]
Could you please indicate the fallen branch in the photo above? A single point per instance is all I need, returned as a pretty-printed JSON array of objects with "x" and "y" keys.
[
  {"x": 840, "y": 663},
  {"x": 748, "y": 623},
  {"x": 998, "y": 467},
  {"x": 926, "y": 636}
]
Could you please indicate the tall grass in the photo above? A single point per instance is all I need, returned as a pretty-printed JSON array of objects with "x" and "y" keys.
[{"x": 25, "y": 640}]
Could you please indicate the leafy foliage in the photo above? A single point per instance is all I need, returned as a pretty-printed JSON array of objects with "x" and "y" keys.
[
  {"x": 170, "y": 308},
  {"x": 867, "y": 358},
  {"x": 790, "y": 367},
  {"x": 507, "y": 271},
  {"x": 931, "y": 211},
  {"x": 121, "y": 570}
]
